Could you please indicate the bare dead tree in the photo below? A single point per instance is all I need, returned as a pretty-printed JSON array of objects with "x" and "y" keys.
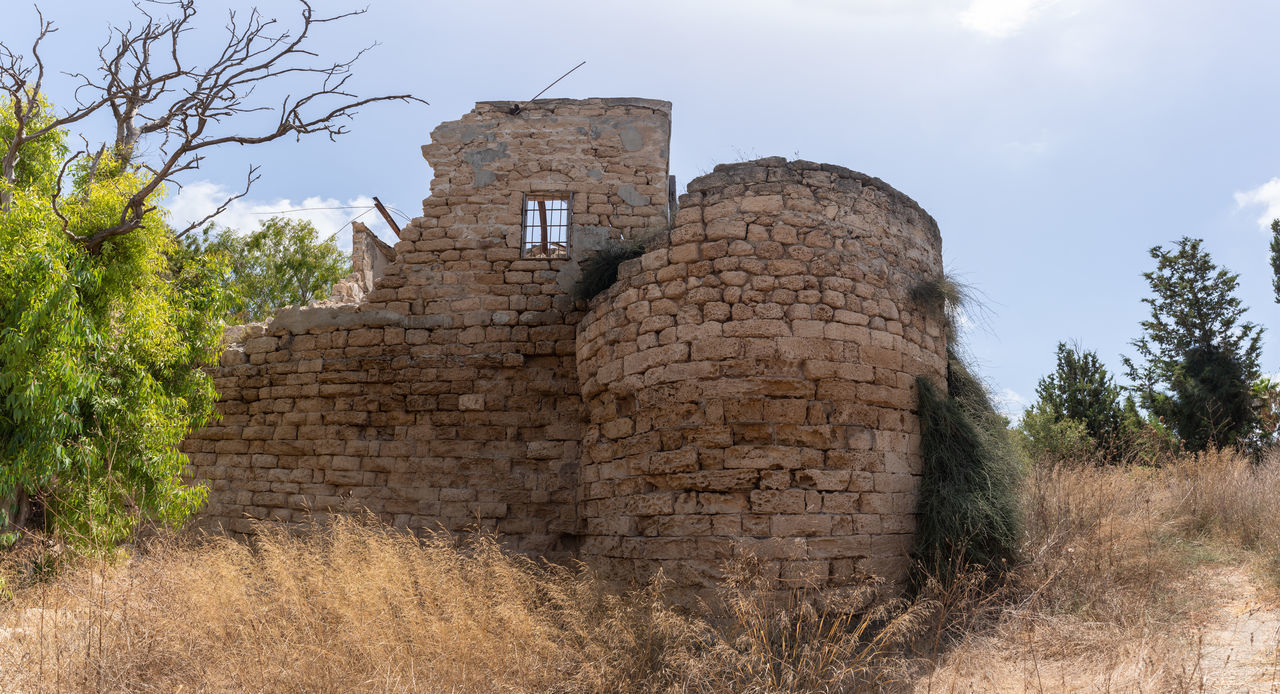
[{"x": 144, "y": 79}]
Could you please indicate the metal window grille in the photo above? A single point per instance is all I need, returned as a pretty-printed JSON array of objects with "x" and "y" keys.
[{"x": 546, "y": 226}]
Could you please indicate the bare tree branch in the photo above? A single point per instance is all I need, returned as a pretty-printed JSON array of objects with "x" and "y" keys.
[
  {"x": 57, "y": 191},
  {"x": 249, "y": 181},
  {"x": 151, "y": 90}
]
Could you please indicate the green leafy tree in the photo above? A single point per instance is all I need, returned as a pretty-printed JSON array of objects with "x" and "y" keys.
[
  {"x": 1197, "y": 357},
  {"x": 100, "y": 353},
  {"x": 104, "y": 322},
  {"x": 1211, "y": 400},
  {"x": 1081, "y": 389},
  {"x": 283, "y": 263}
]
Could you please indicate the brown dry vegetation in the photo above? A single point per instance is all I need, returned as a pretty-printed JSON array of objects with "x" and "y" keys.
[{"x": 1113, "y": 596}]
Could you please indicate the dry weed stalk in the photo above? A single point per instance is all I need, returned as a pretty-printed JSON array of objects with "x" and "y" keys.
[
  {"x": 1101, "y": 602},
  {"x": 355, "y": 606}
]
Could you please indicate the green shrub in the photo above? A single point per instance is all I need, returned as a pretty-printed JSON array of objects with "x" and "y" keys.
[{"x": 1044, "y": 437}]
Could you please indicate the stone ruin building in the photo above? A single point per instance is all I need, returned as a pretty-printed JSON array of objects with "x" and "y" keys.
[{"x": 746, "y": 386}]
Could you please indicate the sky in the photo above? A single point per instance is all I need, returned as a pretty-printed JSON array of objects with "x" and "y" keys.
[{"x": 1055, "y": 141}]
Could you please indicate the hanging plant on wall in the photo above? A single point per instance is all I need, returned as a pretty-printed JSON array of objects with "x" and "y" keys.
[
  {"x": 968, "y": 508},
  {"x": 600, "y": 270}
]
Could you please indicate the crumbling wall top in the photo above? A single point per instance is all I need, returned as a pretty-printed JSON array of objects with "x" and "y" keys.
[
  {"x": 553, "y": 104},
  {"x": 724, "y": 177}
]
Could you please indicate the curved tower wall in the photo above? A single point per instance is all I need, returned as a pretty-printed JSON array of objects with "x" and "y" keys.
[{"x": 750, "y": 383}]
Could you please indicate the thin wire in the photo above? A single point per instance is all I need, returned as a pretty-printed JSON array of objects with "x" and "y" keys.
[
  {"x": 344, "y": 207},
  {"x": 310, "y": 209},
  {"x": 407, "y": 217},
  {"x": 349, "y": 223}
]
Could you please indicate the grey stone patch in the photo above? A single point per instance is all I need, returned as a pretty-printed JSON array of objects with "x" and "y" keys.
[
  {"x": 595, "y": 132},
  {"x": 488, "y": 155},
  {"x": 595, "y": 174},
  {"x": 588, "y": 240},
  {"x": 430, "y": 321},
  {"x": 477, "y": 158},
  {"x": 462, "y": 133},
  {"x": 631, "y": 196},
  {"x": 631, "y": 138}
]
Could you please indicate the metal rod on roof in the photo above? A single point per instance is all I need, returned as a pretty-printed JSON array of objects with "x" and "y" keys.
[{"x": 518, "y": 107}]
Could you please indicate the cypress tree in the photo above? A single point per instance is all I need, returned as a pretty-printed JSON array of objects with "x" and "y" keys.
[{"x": 1196, "y": 358}]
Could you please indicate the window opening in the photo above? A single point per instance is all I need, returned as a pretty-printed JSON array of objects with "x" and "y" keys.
[{"x": 546, "y": 226}]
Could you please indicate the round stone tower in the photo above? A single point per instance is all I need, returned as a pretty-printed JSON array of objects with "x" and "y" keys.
[{"x": 750, "y": 381}]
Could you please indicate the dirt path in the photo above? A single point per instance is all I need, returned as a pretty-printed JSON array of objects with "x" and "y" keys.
[
  {"x": 1235, "y": 649},
  {"x": 1239, "y": 647}
]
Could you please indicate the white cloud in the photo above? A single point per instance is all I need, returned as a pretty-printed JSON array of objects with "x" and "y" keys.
[
  {"x": 1001, "y": 18},
  {"x": 330, "y": 216},
  {"x": 1267, "y": 195},
  {"x": 1011, "y": 404}
]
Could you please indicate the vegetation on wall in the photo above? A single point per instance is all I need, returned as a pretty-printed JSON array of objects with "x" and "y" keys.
[
  {"x": 600, "y": 270},
  {"x": 968, "y": 505},
  {"x": 968, "y": 510}
]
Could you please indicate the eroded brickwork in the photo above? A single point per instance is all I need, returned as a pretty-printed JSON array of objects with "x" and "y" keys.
[
  {"x": 746, "y": 386},
  {"x": 751, "y": 383},
  {"x": 449, "y": 397}
]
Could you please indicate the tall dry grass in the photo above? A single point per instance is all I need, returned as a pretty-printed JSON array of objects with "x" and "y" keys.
[
  {"x": 1230, "y": 500},
  {"x": 1113, "y": 587},
  {"x": 360, "y": 607},
  {"x": 1110, "y": 596}
]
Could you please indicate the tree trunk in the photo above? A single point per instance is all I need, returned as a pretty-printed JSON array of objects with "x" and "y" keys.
[{"x": 17, "y": 510}]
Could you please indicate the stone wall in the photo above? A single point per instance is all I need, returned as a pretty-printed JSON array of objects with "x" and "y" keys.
[
  {"x": 370, "y": 258},
  {"x": 746, "y": 386},
  {"x": 751, "y": 383},
  {"x": 449, "y": 397}
]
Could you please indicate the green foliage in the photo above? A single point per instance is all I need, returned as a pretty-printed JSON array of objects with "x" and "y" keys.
[
  {"x": 968, "y": 506},
  {"x": 1081, "y": 389},
  {"x": 1212, "y": 400},
  {"x": 1275, "y": 258},
  {"x": 283, "y": 263},
  {"x": 1144, "y": 440},
  {"x": 600, "y": 270},
  {"x": 1042, "y": 436},
  {"x": 1077, "y": 414},
  {"x": 100, "y": 355},
  {"x": 1194, "y": 348},
  {"x": 37, "y": 169},
  {"x": 1266, "y": 399}
]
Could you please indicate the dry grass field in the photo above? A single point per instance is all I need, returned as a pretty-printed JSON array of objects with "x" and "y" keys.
[{"x": 1133, "y": 580}]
